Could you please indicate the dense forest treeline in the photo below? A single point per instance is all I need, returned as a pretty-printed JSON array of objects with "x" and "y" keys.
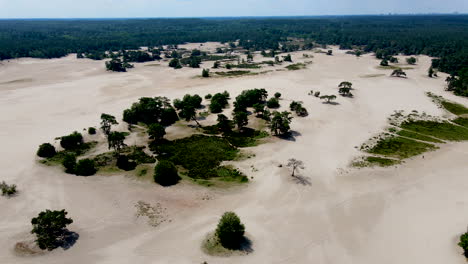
[{"x": 443, "y": 36}]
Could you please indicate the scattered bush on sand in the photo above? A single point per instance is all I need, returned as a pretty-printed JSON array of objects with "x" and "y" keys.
[
  {"x": 8, "y": 189},
  {"x": 72, "y": 141},
  {"x": 230, "y": 230},
  {"x": 85, "y": 167}
]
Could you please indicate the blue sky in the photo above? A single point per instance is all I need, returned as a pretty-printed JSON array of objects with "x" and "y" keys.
[{"x": 207, "y": 8}]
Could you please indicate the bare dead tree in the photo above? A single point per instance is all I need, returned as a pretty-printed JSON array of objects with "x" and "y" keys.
[{"x": 295, "y": 165}]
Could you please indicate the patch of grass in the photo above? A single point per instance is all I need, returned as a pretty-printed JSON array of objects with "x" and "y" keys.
[
  {"x": 58, "y": 158},
  {"x": 247, "y": 66},
  {"x": 372, "y": 75},
  {"x": 247, "y": 138},
  {"x": 153, "y": 65},
  {"x": 231, "y": 174},
  {"x": 372, "y": 161},
  {"x": 454, "y": 108},
  {"x": 233, "y": 73},
  {"x": 393, "y": 67},
  {"x": 399, "y": 147},
  {"x": 461, "y": 121},
  {"x": 409, "y": 134},
  {"x": 296, "y": 66},
  {"x": 441, "y": 130},
  {"x": 199, "y": 154},
  {"x": 107, "y": 162}
]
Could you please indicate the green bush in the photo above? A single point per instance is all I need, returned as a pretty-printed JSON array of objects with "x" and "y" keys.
[
  {"x": 273, "y": 103},
  {"x": 208, "y": 96},
  {"x": 71, "y": 141},
  {"x": 69, "y": 162},
  {"x": 46, "y": 150},
  {"x": 165, "y": 173},
  {"x": 464, "y": 244},
  {"x": 151, "y": 110},
  {"x": 92, "y": 131},
  {"x": 8, "y": 190},
  {"x": 230, "y": 231},
  {"x": 277, "y": 95},
  {"x": 125, "y": 164},
  {"x": 85, "y": 167}
]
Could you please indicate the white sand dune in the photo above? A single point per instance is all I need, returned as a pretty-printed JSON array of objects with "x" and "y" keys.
[{"x": 412, "y": 213}]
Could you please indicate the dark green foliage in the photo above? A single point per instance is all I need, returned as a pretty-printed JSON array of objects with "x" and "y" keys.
[
  {"x": 199, "y": 154},
  {"x": 248, "y": 98},
  {"x": 218, "y": 102},
  {"x": 464, "y": 244},
  {"x": 205, "y": 73},
  {"x": 49, "y": 228},
  {"x": 7, "y": 189},
  {"x": 46, "y": 150},
  {"x": 175, "y": 63},
  {"x": 230, "y": 174},
  {"x": 430, "y": 72},
  {"x": 151, "y": 110},
  {"x": 116, "y": 140},
  {"x": 156, "y": 131},
  {"x": 458, "y": 84},
  {"x": 208, "y": 96},
  {"x": 398, "y": 73},
  {"x": 277, "y": 95},
  {"x": 216, "y": 65},
  {"x": 298, "y": 108},
  {"x": 224, "y": 124},
  {"x": 399, "y": 147},
  {"x": 138, "y": 56},
  {"x": 124, "y": 163},
  {"x": 241, "y": 119},
  {"x": 85, "y": 167},
  {"x": 411, "y": 60},
  {"x": 230, "y": 230},
  {"x": 330, "y": 52},
  {"x": 384, "y": 63},
  {"x": 345, "y": 91},
  {"x": 69, "y": 162},
  {"x": 106, "y": 123},
  {"x": 117, "y": 65},
  {"x": 287, "y": 58},
  {"x": 233, "y": 73},
  {"x": 188, "y": 106},
  {"x": 165, "y": 173},
  {"x": 383, "y": 162},
  {"x": 440, "y": 130},
  {"x": 345, "y": 84},
  {"x": 72, "y": 141},
  {"x": 393, "y": 60},
  {"x": 91, "y": 130},
  {"x": 273, "y": 103},
  {"x": 280, "y": 123},
  {"x": 328, "y": 98}
]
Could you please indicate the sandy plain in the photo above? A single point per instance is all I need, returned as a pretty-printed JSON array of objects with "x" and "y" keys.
[{"x": 411, "y": 213}]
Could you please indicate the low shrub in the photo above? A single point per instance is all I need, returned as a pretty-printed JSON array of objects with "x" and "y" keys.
[
  {"x": 46, "y": 150},
  {"x": 273, "y": 103},
  {"x": 69, "y": 162},
  {"x": 230, "y": 230},
  {"x": 125, "y": 164},
  {"x": 8, "y": 190},
  {"x": 91, "y": 130}
]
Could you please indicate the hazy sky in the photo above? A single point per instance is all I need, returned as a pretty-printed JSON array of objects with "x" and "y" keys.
[{"x": 201, "y": 8}]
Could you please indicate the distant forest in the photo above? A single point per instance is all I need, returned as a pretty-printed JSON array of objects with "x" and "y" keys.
[{"x": 443, "y": 36}]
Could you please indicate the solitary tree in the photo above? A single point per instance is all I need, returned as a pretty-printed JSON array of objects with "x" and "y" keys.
[
  {"x": 50, "y": 228},
  {"x": 430, "y": 72},
  {"x": 330, "y": 52},
  {"x": 116, "y": 140},
  {"x": 85, "y": 167},
  {"x": 277, "y": 95},
  {"x": 230, "y": 231},
  {"x": 287, "y": 58},
  {"x": 106, "y": 123},
  {"x": 398, "y": 73},
  {"x": 411, "y": 60},
  {"x": 384, "y": 63},
  {"x": 205, "y": 73},
  {"x": 328, "y": 98},
  {"x": 345, "y": 91},
  {"x": 295, "y": 164},
  {"x": 464, "y": 244},
  {"x": 345, "y": 84}
]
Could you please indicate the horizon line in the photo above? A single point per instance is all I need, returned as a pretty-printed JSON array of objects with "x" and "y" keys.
[{"x": 214, "y": 17}]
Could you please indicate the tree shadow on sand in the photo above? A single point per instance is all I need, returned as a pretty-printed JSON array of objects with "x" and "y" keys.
[
  {"x": 303, "y": 180},
  {"x": 290, "y": 136},
  {"x": 69, "y": 239},
  {"x": 331, "y": 103}
]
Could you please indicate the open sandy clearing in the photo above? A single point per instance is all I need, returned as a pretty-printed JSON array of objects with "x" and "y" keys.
[{"x": 409, "y": 214}]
